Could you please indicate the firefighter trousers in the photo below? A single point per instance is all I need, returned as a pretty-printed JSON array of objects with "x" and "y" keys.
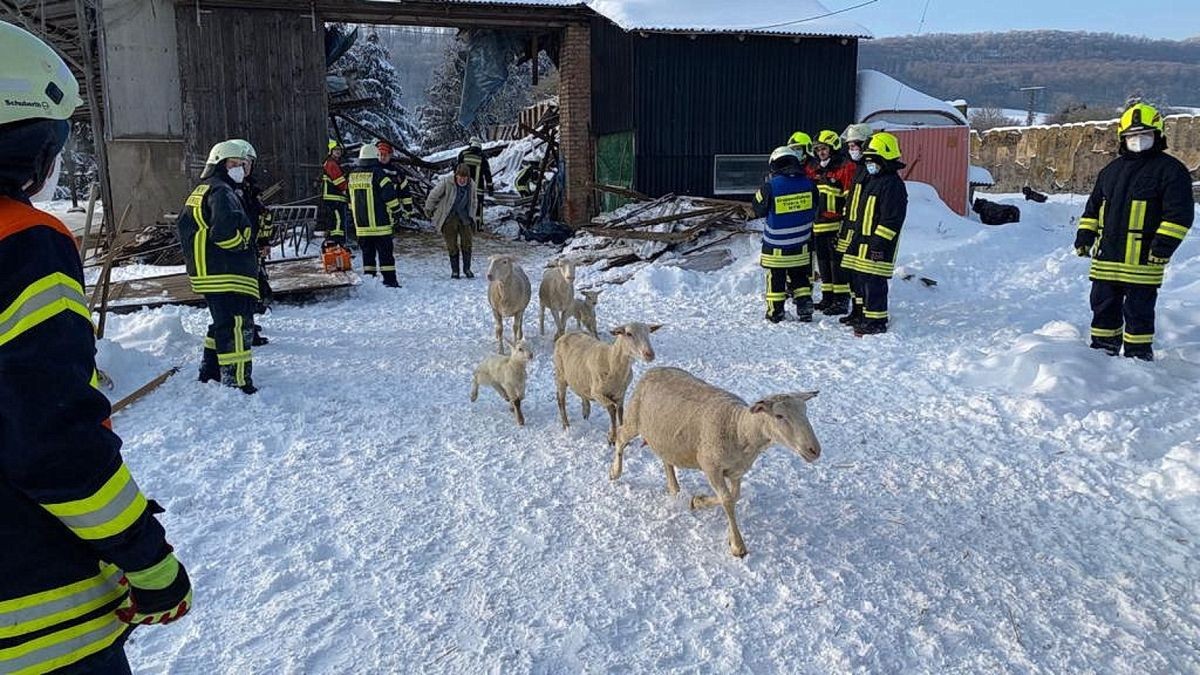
[
  {"x": 874, "y": 297},
  {"x": 1123, "y": 314},
  {"x": 788, "y": 282},
  {"x": 835, "y": 279},
  {"x": 227, "y": 344},
  {"x": 338, "y": 214},
  {"x": 379, "y": 256}
]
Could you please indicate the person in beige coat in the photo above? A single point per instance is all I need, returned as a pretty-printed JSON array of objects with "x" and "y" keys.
[{"x": 452, "y": 203}]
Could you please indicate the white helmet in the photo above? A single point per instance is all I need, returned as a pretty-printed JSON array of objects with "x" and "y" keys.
[
  {"x": 858, "y": 133},
  {"x": 368, "y": 151},
  {"x": 785, "y": 151},
  {"x": 475, "y": 142},
  {"x": 35, "y": 83},
  {"x": 222, "y": 151},
  {"x": 247, "y": 148}
]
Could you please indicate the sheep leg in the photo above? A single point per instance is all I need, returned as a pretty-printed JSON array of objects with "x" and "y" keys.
[
  {"x": 586, "y": 405},
  {"x": 672, "y": 481},
  {"x": 499, "y": 330},
  {"x": 519, "y": 327},
  {"x": 474, "y": 388},
  {"x": 624, "y": 435},
  {"x": 726, "y": 498},
  {"x": 562, "y": 402},
  {"x": 560, "y": 323},
  {"x": 613, "y": 417},
  {"x": 500, "y": 390},
  {"x": 542, "y": 330},
  {"x": 516, "y": 405}
]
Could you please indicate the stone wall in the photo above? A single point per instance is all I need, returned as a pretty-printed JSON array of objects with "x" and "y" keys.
[{"x": 1066, "y": 158}]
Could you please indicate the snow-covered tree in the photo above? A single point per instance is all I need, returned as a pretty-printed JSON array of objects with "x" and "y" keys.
[{"x": 371, "y": 77}]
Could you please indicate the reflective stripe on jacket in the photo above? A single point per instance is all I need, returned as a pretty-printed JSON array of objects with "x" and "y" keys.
[{"x": 218, "y": 240}]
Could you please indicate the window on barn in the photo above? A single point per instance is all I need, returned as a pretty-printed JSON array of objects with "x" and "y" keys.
[{"x": 738, "y": 174}]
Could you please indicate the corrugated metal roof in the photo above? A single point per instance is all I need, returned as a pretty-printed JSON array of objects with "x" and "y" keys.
[{"x": 767, "y": 17}]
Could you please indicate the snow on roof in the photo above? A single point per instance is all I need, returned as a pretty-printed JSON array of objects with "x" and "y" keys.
[
  {"x": 883, "y": 98},
  {"x": 977, "y": 175},
  {"x": 772, "y": 17},
  {"x": 795, "y": 17}
]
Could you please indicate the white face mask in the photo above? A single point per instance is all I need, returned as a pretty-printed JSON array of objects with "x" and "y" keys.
[
  {"x": 855, "y": 154},
  {"x": 1139, "y": 142},
  {"x": 46, "y": 193},
  {"x": 872, "y": 168},
  {"x": 237, "y": 174}
]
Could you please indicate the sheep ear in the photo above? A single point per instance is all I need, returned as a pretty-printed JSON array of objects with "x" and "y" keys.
[
  {"x": 807, "y": 395},
  {"x": 619, "y": 330},
  {"x": 761, "y": 406},
  {"x": 654, "y": 326}
]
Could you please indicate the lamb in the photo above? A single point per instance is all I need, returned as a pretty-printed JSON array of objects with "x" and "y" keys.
[
  {"x": 690, "y": 423},
  {"x": 600, "y": 372},
  {"x": 583, "y": 310},
  {"x": 556, "y": 293},
  {"x": 505, "y": 374},
  {"x": 508, "y": 294}
]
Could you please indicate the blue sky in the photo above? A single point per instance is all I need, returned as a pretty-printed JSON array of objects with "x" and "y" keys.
[{"x": 1173, "y": 19}]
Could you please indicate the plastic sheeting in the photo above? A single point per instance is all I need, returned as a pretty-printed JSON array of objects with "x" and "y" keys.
[{"x": 489, "y": 55}]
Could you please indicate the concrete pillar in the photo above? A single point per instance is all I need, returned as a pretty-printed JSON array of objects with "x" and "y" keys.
[{"x": 575, "y": 127}]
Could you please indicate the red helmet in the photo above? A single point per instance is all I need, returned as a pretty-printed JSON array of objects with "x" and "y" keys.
[{"x": 385, "y": 149}]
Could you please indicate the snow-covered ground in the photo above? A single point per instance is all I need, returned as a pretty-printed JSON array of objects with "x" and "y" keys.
[{"x": 992, "y": 496}]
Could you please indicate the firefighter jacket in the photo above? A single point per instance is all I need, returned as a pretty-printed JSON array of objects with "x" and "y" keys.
[
  {"x": 481, "y": 172},
  {"x": 333, "y": 182},
  {"x": 403, "y": 189},
  {"x": 218, "y": 239},
  {"x": 848, "y": 234},
  {"x": 788, "y": 199},
  {"x": 1141, "y": 207},
  {"x": 528, "y": 179},
  {"x": 833, "y": 184},
  {"x": 374, "y": 200},
  {"x": 71, "y": 516},
  {"x": 876, "y": 218}
]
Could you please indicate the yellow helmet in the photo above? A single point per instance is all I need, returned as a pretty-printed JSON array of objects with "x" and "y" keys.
[
  {"x": 1140, "y": 117},
  {"x": 883, "y": 145},
  {"x": 801, "y": 141},
  {"x": 830, "y": 138},
  {"x": 333, "y": 144}
]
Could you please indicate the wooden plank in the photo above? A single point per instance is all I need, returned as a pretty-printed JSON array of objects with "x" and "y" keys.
[
  {"x": 143, "y": 390},
  {"x": 291, "y": 276}
]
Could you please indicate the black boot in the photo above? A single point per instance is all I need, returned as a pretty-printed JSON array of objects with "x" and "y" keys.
[
  {"x": 853, "y": 317},
  {"x": 466, "y": 262},
  {"x": 1109, "y": 345},
  {"x": 1143, "y": 352},
  {"x": 823, "y": 303},
  {"x": 454, "y": 266},
  {"x": 258, "y": 340},
  {"x": 804, "y": 309},
  {"x": 229, "y": 378},
  {"x": 870, "y": 327},
  {"x": 389, "y": 280},
  {"x": 837, "y": 306}
]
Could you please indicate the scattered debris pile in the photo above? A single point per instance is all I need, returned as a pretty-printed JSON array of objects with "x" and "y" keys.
[{"x": 679, "y": 230}]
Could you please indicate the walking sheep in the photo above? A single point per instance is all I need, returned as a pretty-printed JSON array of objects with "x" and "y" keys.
[
  {"x": 583, "y": 310},
  {"x": 556, "y": 293},
  {"x": 505, "y": 374},
  {"x": 600, "y": 372},
  {"x": 508, "y": 294},
  {"x": 690, "y": 423}
]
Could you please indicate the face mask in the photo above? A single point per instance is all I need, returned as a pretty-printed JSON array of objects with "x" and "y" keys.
[
  {"x": 825, "y": 162},
  {"x": 872, "y": 168},
  {"x": 855, "y": 154},
  {"x": 46, "y": 193},
  {"x": 1139, "y": 142},
  {"x": 237, "y": 174}
]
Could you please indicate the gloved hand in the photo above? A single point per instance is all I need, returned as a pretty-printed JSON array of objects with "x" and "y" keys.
[
  {"x": 1156, "y": 260},
  {"x": 1084, "y": 240},
  {"x": 161, "y": 593},
  {"x": 874, "y": 254}
]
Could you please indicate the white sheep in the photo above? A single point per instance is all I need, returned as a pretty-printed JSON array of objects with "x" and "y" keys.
[
  {"x": 556, "y": 293},
  {"x": 505, "y": 374},
  {"x": 690, "y": 423},
  {"x": 508, "y": 294},
  {"x": 583, "y": 310},
  {"x": 600, "y": 372}
]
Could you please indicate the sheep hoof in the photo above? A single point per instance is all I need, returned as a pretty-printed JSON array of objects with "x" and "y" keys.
[
  {"x": 614, "y": 473},
  {"x": 738, "y": 552},
  {"x": 692, "y": 503}
]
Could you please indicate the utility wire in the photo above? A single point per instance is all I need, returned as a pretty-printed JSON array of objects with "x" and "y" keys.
[{"x": 819, "y": 16}]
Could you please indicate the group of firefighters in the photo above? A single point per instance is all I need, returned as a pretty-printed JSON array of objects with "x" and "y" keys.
[
  {"x": 85, "y": 558},
  {"x": 841, "y": 200}
]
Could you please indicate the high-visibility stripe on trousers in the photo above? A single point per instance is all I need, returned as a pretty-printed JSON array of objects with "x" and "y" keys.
[{"x": 1123, "y": 314}]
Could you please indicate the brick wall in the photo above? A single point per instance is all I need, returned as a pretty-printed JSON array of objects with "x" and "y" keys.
[
  {"x": 1067, "y": 157},
  {"x": 575, "y": 130}
]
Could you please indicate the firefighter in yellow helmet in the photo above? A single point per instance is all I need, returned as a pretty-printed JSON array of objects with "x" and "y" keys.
[
  {"x": 834, "y": 174},
  {"x": 84, "y": 558},
  {"x": 802, "y": 143},
  {"x": 334, "y": 191},
  {"x": 882, "y": 207},
  {"x": 1137, "y": 215}
]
